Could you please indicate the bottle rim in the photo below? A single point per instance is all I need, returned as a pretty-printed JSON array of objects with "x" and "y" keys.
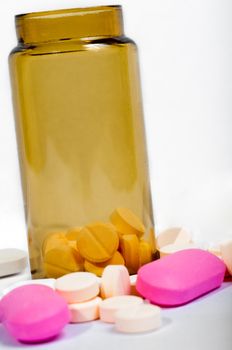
[
  {"x": 63, "y": 24},
  {"x": 49, "y": 13}
]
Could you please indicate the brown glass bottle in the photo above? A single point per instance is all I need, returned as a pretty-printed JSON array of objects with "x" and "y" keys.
[{"x": 81, "y": 139}]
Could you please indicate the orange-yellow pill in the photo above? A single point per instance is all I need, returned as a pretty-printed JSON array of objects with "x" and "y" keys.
[
  {"x": 97, "y": 242},
  {"x": 145, "y": 253},
  {"x": 129, "y": 245},
  {"x": 62, "y": 260},
  {"x": 97, "y": 268},
  {"x": 73, "y": 244},
  {"x": 71, "y": 235},
  {"x": 53, "y": 240},
  {"x": 126, "y": 222},
  {"x": 78, "y": 256}
]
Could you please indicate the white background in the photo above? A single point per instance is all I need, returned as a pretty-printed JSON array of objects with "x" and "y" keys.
[{"x": 186, "y": 65}]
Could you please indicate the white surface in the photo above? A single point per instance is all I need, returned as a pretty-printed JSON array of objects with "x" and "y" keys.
[
  {"x": 202, "y": 325},
  {"x": 185, "y": 57}
]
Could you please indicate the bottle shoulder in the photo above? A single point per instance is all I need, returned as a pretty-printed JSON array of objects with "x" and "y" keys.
[{"x": 64, "y": 46}]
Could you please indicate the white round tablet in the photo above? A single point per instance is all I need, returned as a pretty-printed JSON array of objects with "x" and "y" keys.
[
  {"x": 110, "y": 306},
  {"x": 215, "y": 249},
  {"x": 142, "y": 318},
  {"x": 226, "y": 253},
  {"x": 115, "y": 281},
  {"x": 86, "y": 311},
  {"x": 173, "y": 248},
  {"x": 12, "y": 261},
  {"x": 77, "y": 287},
  {"x": 174, "y": 235}
]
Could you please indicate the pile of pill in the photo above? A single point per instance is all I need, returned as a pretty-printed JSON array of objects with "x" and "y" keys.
[
  {"x": 92, "y": 247},
  {"x": 37, "y": 311},
  {"x": 177, "y": 239}
]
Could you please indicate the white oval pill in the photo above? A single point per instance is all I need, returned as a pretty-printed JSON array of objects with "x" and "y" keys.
[
  {"x": 77, "y": 287},
  {"x": 115, "y": 281},
  {"x": 83, "y": 312},
  {"x": 175, "y": 235},
  {"x": 226, "y": 254},
  {"x": 142, "y": 318},
  {"x": 110, "y": 306},
  {"x": 12, "y": 261},
  {"x": 173, "y": 248}
]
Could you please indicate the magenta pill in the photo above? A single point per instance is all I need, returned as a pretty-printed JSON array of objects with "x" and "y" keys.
[
  {"x": 34, "y": 313},
  {"x": 1, "y": 312},
  {"x": 181, "y": 277}
]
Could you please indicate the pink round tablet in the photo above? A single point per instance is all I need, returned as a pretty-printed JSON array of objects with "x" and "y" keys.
[
  {"x": 34, "y": 313},
  {"x": 181, "y": 277}
]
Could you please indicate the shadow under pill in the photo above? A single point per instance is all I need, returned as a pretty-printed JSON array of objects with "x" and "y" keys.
[
  {"x": 7, "y": 340},
  {"x": 75, "y": 329},
  {"x": 69, "y": 332},
  {"x": 165, "y": 322}
]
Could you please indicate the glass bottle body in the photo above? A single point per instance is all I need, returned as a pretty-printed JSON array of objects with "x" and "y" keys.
[{"x": 81, "y": 143}]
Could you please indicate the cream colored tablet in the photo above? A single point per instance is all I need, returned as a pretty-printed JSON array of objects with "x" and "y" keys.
[
  {"x": 142, "y": 318},
  {"x": 226, "y": 253},
  {"x": 173, "y": 248},
  {"x": 77, "y": 287},
  {"x": 12, "y": 261},
  {"x": 115, "y": 281},
  {"x": 110, "y": 306},
  {"x": 175, "y": 235},
  {"x": 215, "y": 249},
  {"x": 84, "y": 312},
  {"x": 99, "y": 280}
]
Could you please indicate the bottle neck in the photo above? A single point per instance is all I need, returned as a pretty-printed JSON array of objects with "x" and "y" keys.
[{"x": 80, "y": 23}]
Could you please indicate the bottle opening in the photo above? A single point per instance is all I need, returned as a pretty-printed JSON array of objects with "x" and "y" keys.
[{"x": 79, "y": 23}]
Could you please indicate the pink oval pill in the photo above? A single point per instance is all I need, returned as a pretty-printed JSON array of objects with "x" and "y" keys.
[
  {"x": 34, "y": 313},
  {"x": 181, "y": 277},
  {"x": 1, "y": 312}
]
